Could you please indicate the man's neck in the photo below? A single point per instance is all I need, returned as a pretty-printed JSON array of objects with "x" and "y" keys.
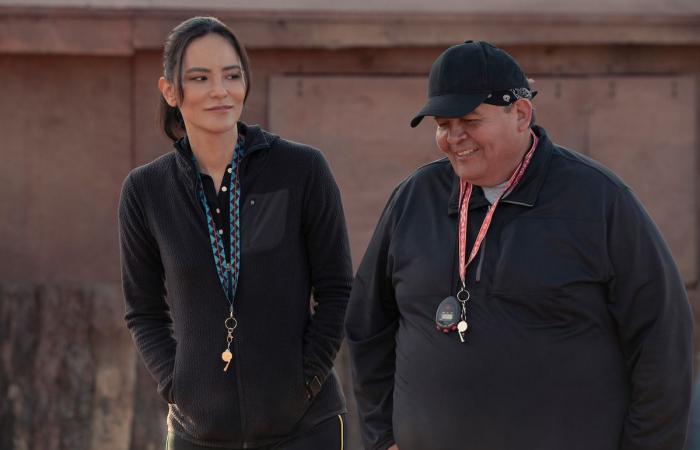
[{"x": 493, "y": 193}]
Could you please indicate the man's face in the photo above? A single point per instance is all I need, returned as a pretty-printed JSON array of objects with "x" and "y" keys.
[{"x": 486, "y": 145}]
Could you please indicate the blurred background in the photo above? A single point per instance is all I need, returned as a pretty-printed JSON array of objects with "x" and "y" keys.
[{"x": 617, "y": 81}]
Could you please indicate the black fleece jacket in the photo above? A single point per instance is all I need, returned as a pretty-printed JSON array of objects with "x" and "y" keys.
[
  {"x": 580, "y": 331},
  {"x": 294, "y": 241}
]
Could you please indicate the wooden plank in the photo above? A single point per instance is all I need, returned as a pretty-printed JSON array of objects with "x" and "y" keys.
[
  {"x": 648, "y": 7},
  {"x": 67, "y": 148},
  {"x": 644, "y": 129},
  {"x": 54, "y": 33},
  {"x": 122, "y": 31},
  {"x": 562, "y": 107},
  {"x": 390, "y": 29}
]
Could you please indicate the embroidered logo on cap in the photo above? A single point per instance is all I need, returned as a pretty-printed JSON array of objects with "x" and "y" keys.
[{"x": 521, "y": 93}]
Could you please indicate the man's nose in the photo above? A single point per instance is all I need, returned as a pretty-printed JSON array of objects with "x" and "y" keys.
[{"x": 455, "y": 134}]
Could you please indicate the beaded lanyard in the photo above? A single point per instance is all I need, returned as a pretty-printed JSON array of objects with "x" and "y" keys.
[{"x": 227, "y": 269}]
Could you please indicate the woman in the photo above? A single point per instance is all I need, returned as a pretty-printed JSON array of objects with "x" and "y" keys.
[{"x": 223, "y": 241}]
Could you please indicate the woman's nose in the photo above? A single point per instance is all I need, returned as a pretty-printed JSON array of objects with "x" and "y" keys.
[{"x": 218, "y": 89}]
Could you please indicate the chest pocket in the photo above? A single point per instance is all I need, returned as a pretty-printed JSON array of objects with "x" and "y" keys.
[{"x": 264, "y": 220}]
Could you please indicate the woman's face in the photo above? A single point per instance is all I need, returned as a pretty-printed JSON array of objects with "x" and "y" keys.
[{"x": 212, "y": 84}]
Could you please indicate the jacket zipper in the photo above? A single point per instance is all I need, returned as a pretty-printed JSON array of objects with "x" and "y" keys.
[{"x": 482, "y": 252}]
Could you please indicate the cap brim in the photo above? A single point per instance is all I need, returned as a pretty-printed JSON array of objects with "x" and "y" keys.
[{"x": 451, "y": 105}]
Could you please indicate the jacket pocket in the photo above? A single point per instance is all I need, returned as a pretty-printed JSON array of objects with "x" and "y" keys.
[
  {"x": 540, "y": 255},
  {"x": 264, "y": 220},
  {"x": 274, "y": 380},
  {"x": 167, "y": 387}
]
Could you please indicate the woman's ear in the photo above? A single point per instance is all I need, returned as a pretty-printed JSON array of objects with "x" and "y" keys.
[{"x": 168, "y": 91}]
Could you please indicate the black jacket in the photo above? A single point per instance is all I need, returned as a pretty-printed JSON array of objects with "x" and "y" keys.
[
  {"x": 580, "y": 328},
  {"x": 294, "y": 240}
]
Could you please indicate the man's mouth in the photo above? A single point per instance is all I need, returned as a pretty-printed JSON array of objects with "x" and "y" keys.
[{"x": 464, "y": 153}]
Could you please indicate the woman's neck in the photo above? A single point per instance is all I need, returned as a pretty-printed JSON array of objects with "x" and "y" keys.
[{"x": 213, "y": 151}]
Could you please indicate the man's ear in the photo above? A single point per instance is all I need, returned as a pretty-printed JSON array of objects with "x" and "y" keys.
[
  {"x": 524, "y": 111},
  {"x": 168, "y": 91}
]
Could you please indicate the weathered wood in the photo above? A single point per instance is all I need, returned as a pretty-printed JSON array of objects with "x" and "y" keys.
[
  {"x": 148, "y": 424},
  {"x": 115, "y": 371},
  {"x": 66, "y": 368},
  {"x": 18, "y": 312}
]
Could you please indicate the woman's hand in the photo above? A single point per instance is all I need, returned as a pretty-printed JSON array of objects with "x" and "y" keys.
[{"x": 393, "y": 447}]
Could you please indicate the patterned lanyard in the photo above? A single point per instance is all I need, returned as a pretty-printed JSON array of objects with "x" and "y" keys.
[
  {"x": 229, "y": 268},
  {"x": 465, "y": 192}
]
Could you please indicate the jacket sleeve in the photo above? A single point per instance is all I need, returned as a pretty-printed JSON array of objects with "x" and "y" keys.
[
  {"x": 650, "y": 306},
  {"x": 371, "y": 326},
  {"x": 147, "y": 313},
  {"x": 328, "y": 251}
]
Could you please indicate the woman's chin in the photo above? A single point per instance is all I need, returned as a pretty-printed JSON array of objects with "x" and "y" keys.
[{"x": 220, "y": 128}]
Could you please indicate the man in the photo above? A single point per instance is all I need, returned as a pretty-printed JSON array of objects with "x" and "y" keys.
[{"x": 515, "y": 295}]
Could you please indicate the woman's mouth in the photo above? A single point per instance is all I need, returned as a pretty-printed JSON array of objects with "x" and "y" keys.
[{"x": 220, "y": 108}]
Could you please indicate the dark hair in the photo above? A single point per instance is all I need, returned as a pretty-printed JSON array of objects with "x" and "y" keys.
[{"x": 173, "y": 52}]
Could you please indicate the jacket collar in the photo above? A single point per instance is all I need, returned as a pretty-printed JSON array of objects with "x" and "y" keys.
[
  {"x": 526, "y": 192},
  {"x": 255, "y": 140}
]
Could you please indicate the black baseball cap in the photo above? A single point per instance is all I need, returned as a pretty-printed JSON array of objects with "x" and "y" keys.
[{"x": 469, "y": 74}]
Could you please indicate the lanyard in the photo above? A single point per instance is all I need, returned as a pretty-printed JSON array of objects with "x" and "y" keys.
[
  {"x": 465, "y": 192},
  {"x": 445, "y": 317},
  {"x": 229, "y": 268}
]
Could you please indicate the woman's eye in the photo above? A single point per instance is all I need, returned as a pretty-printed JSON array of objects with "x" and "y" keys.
[
  {"x": 200, "y": 78},
  {"x": 233, "y": 76}
]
